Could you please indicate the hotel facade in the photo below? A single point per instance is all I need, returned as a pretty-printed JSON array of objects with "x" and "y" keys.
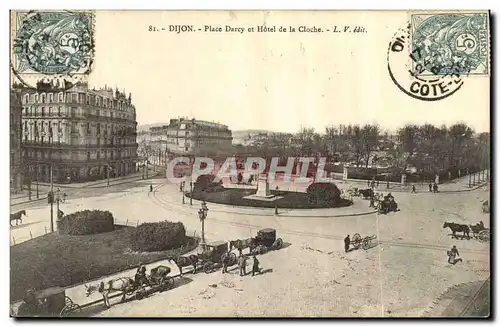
[{"x": 80, "y": 134}]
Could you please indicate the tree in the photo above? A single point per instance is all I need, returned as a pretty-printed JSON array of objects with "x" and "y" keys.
[{"x": 370, "y": 136}]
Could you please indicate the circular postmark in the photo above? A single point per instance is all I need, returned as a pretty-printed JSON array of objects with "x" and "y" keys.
[
  {"x": 53, "y": 43},
  {"x": 416, "y": 75}
]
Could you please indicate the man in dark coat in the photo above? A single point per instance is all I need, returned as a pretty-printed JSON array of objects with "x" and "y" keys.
[
  {"x": 347, "y": 243},
  {"x": 255, "y": 268}
]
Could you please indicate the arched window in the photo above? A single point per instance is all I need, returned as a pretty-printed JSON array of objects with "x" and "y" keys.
[
  {"x": 50, "y": 111},
  {"x": 61, "y": 97},
  {"x": 36, "y": 98},
  {"x": 59, "y": 111},
  {"x": 42, "y": 98},
  {"x": 51, "y": 97},
  {"x": 26, "y": 98}
]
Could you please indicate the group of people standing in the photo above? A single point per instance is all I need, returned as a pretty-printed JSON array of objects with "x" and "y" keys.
[{"x": 242, "y": 264}]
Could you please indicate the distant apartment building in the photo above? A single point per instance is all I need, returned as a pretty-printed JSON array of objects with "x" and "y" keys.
[
  {"x": 183, "y": 136},
  {"x": 16, "y": 168},
  {"x": 80, "y": 134}
]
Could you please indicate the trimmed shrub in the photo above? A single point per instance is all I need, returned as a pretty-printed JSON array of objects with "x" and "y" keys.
[
  {"x": 206, "y": 183},
  {"x": 160, "y": 236},
  {"x": 323, "y": 193},
  {"x": 86, "y": 222}
]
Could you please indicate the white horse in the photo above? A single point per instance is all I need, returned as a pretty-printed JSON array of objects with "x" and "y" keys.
[{"x": 122, "y": 284}]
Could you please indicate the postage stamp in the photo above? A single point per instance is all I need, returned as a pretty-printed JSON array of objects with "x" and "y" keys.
[
  {"x": 447, "y": 44},
  {"x": 53, "y": 42}
]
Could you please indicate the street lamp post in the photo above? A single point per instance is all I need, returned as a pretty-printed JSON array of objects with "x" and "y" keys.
[
  {"x": 37, "y": 194},
  {"x": 202, "y": 213},
  {"x": 191, "y": 193}
]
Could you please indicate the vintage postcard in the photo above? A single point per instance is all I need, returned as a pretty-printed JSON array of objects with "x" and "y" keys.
[{"x": 250, "y": 164}]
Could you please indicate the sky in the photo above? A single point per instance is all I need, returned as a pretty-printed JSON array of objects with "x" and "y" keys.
[{"x": 270, "y": 81}]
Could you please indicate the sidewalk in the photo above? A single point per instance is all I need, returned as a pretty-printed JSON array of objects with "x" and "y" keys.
[{"x": 23, "y": 198}]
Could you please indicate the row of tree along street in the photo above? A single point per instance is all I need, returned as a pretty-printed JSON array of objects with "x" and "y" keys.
[{"x": 449, "y": 151}]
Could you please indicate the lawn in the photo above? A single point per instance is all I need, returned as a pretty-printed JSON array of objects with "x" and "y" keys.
[
  {"x": 289, "y": 200},
  {"x": 64, "y": 260}
]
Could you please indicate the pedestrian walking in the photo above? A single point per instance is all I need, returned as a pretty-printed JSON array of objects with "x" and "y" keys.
[
  {"x": 150, "y": 188},
  {"x": 413, "y": 190},
  {"x": 242, "y": 263},
  {"x": 430, "y": 187},
  {"x": 452, "y": 255},
  {"x": 255, "y": 267},
  {"x": 347, "y": 243},
  {"x": 388, "y": 186}
]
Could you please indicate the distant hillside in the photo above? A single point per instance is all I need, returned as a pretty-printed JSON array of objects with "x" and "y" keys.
[{"x": 239, "y": 137}]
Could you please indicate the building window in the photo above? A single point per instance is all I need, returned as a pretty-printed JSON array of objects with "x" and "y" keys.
[
  {"x": 59, "y": 111},
  {"x": 97, "y": 101},
  {"x": 88, "y": 128},
  {"x": 88, "y": 156},
  {"x": 36, "y": 98},
  {"x": 105, "y": 102},
  {"x": 27, "y": 98},
  {"x": 81, "y": 98},
  {"x": 51, "y": 97},
  {"x": 74, "y": 97},
  {"x": 88, "y": 99},
  {"x": 61, "y": 97},
  {"x": 98, "y": 129},
  {"x": 50, "y": 111},
  {"x": 43, "y": 111},
  {"x": 98, "y": 112}
]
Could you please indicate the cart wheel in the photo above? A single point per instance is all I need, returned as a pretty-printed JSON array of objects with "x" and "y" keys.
[
  {"x": 208, "y": 268},
  {"x": 278, "y": 244},
  {"x": 366, "y": 244},
  {"x": 356, "y": 241},
  {"x": 484, "y": 236},
  {"x": 169, "y": 282},
  {"x": 130, "y": 290},
  {"x": 70, "y": 309}
]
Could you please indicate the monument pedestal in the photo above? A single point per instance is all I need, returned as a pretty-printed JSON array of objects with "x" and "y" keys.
[{"x": 263, "y": 193}]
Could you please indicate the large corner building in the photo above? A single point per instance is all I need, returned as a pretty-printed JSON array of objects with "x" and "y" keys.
[
  {"x": 80, "y": 134},
  {"x": 191, "y": 137}
]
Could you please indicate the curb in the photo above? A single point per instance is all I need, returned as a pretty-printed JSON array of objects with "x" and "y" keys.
[
  {"x": 271, "y": 214},
  {"x": 99, "y": 184},
  {"x": 27, "y": 201}
]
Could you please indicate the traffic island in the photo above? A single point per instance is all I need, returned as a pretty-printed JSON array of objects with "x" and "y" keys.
[{"x": 283, "y": 199}]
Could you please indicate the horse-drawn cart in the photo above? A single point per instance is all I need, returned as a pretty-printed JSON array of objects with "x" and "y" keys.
[
  {"x": 365, "y": 243},
  {"x": 51, "y": 302},
  {"x": 213, "y": 256},
  {"x": 266, "y": 240}
]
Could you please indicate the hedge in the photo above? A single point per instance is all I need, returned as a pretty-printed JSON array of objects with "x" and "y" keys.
[
  {"x": 206, "y": 183},
  {"x": 86, "y": 222},
  {"x": 160, "y": 236},
  {"x": 323, "y": 193}
]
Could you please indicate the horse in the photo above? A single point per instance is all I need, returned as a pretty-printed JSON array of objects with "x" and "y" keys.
[
  {"x": 181, "y": 262},
  {"x": 122, "y": 284},
  {"x": 457, "y": 228},
  {"x": 17, "y": 216},
  {"x": 241, "y": 244}
]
